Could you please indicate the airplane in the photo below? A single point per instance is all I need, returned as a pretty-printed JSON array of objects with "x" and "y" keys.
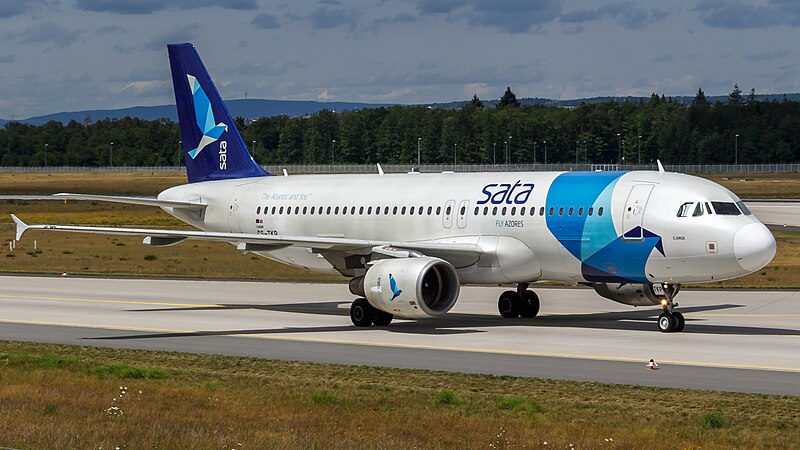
[{"x": 408, "y": 242}]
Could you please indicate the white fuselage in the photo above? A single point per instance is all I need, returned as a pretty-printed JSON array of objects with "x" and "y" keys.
[{"x": 571, "y": 226}]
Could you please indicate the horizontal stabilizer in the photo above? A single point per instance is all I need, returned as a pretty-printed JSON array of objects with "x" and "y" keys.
[{"x": 146, "y": 201}]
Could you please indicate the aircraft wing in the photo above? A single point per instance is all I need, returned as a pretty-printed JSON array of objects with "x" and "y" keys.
[
  {"x": 259, "y": 242},
  {"x": 147, "y": 201}
]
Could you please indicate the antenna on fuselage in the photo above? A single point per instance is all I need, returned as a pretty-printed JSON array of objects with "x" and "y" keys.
[{"x": 660, "y": 167}]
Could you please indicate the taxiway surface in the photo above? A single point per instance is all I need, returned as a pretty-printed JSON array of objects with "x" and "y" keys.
[{"x": 746, "y": 341}]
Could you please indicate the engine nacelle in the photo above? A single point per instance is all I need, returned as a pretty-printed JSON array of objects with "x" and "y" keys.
[
  {"x": 634, "y": 294},
  {"x": 413, "y": 288}
]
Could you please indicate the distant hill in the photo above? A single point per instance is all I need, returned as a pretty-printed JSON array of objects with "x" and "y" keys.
[{"x": 252, "y": 109}]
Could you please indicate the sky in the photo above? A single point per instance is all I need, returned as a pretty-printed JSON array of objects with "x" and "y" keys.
[{"x": 67, "y": 55}]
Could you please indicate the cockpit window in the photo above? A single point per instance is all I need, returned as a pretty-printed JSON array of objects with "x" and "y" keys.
[
  {"x": 726, "y": 208},
  {"x": 683, "y": 211},
  {"x": 698, "y": 210},
  {"x": 745, "y": 209}
]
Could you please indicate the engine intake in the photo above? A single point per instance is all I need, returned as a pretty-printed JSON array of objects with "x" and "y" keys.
[
  {"x": 413, "y": 288},
  {"x": 634, "y": 294}
]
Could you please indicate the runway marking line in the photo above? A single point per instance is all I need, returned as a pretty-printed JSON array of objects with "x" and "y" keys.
[
  {"x": 415, "y": 346},
  {"x": 123, "y": 302}
]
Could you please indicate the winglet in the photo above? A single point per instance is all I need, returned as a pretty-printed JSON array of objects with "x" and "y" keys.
[
  {"x": 660, "y": 167},
  {"x": 380, "y": 169},
  {"x": 21, "y": 226}
]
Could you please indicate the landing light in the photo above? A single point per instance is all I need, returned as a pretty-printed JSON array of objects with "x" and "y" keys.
[{"x": 663, "y": 302}]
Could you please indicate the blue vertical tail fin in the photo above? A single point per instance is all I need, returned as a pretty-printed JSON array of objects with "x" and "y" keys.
[{"x": 212, "y": 146}]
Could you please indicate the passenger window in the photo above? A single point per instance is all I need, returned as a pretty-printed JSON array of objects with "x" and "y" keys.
[
  {"x": 448, "y": 211},
  {"x": 421, "y": 210},
  {"x": 463, "y": 210},
  {"x": 552, "y": 209},
  {"x": 430, "y": 210},
  {"x": 561, "y": 211},
  {"x": 600, "y": 211},
  {"x": 369, "y": 210},
  {"x": 726, "y": 208},
  {"x": 411, "y": 213},
  {"x": 394, "y": 211},
  {"x": 273, "y": 210},
  {"x": 571, "y": 210},
  {"x": 580, "y": 211},
  {"x": 698, "y": 210},
  {"x": 297, "y": 210},
  {"x": 329, "y": 210},
  {"x": 281, "y": 210},
  {"x": 485, "y": 210},
  {"x": 305, "y": 209},
  {"x": 541, "y": 211},
  {"x": 591, "y": 210},
  {"x": 386, "y": 211},
  {"x": 522, "y": 211},
  {"x": 476, "y": 211},
  {"x": 533, "y": 210},
  {"x": 403, "y": 211},
  {"x": 438, "y": 210},
  {"x": 258, "y": 210},
  {"x": 313, "y": 208},
  {"x": 504, "y": 210}
]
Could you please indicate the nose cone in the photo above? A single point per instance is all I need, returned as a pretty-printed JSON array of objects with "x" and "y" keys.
[{"x": 753, "y": 246}]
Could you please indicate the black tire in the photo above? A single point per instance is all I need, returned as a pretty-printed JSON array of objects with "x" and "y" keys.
[
  {"x": 530, "y": 305},
  {"x": 509, "y": 304},
  {"x": 666, "y": 322},
  {"x": 382, "y": 319},
  {"x": 681, "y": 322},
  {"x": 362, "y": 313}
]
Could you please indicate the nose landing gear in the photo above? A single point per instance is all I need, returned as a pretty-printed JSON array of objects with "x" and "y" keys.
[
  {"x": 670, "y": 320},
  {"x": 519, "y": 303}
]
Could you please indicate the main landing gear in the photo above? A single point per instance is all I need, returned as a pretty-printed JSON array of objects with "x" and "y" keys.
[
  {"x": 519, "y": 303},
  {"x": 363, "y": 314},
  {"x": 670, "y": 320}
]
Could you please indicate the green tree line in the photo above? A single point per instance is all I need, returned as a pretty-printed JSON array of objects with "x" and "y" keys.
[{"x": 702, "y": 132}]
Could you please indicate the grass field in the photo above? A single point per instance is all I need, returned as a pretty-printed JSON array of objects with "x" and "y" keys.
[
  {"x": 78, "y": 397},
  {"x": 102, "y": 255}
]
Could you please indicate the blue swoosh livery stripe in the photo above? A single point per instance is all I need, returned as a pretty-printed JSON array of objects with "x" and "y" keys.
[{"x": 604, "y": 254}]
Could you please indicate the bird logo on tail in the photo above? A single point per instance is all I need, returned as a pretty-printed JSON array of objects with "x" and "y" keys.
[{"x": 205, "y": 117}]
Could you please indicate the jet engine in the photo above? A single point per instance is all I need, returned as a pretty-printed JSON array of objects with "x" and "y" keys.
[
  {"x": 413, "y": 288},
  {"x": 634, "y": 294}
]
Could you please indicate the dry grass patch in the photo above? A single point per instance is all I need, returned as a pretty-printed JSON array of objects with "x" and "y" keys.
[{"x": 233, "y": 402}]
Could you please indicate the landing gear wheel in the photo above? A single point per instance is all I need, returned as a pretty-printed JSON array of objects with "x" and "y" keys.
[
  {"x": 382, "y": 319},
  {"x": 681, "y": 322},
  {"x": 530, "y": 305},
  {"x": 362, "y": 313},
  {"x": 509, "y": 304},
  {"x": 667, "y": 322}
]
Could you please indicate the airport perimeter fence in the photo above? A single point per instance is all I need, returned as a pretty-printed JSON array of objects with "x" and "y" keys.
[{"x": 434, "y": 168}]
